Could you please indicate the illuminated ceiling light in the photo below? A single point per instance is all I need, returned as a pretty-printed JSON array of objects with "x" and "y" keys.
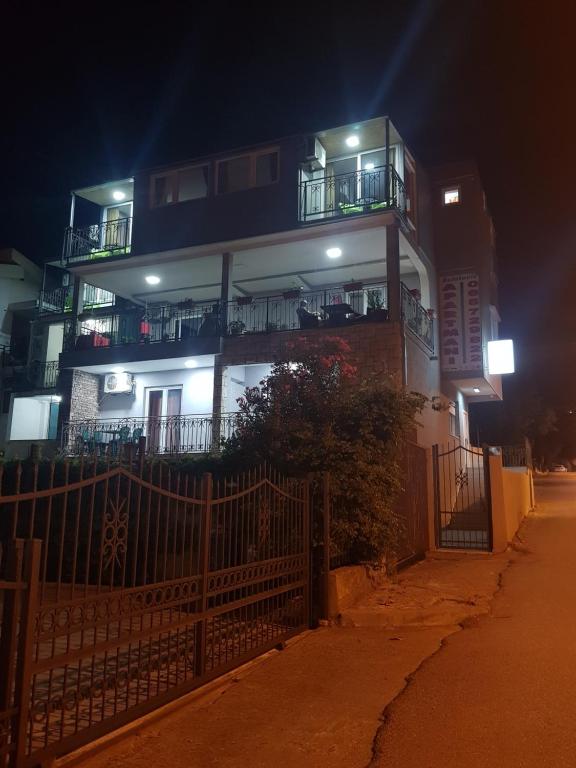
[
  {"x": 476, "y": 389},
  {"x": 118, "y": 370},
  {"x": 333, "y": 253},
  {"x": 152, "y": 279},
  {"x": 191, "y": 364},
  {"x": 352, "y": 141},
  {"x": 119, "y": 195},
  {"x": 369, "y": 167}
]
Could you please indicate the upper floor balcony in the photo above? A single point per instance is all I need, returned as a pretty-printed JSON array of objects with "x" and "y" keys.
[
  {"x": 100, "y": 222},
  {"x": 58, "y": 301}
]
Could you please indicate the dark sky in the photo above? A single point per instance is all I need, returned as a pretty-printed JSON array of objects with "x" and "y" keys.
[{"x": 89, "y": 92}]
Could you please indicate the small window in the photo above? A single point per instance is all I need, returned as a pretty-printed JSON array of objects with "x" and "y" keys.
[
  {"x": 266, "y": 169},
  {"x": 234, "y": 174},
  {"x": 451, "y": 196},
  {"x": 192, "y": 183},
  {"x": 161, "y": 191},
  {"x": 454, "y": 415}
]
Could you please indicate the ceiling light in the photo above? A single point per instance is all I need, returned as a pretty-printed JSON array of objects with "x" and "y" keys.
[
  {"x": 476, "y": 389},
  {"x": 352, "y": 141},
  {"x": 369, "y": 167},
  {"x": 333, "y": 253},
  {"x": 119, "y": 195},
  {"x": 118, "y": 370},
  {"x": 191, "y": 364},
  {"x": 152, "y": 279}
]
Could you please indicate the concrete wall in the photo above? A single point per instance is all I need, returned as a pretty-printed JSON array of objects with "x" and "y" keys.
[{"x": 512, "y": 498}]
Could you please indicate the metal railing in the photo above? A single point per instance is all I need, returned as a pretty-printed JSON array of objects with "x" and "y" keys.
[
  {"x": 166, "y": 435},
  {"x": 515, "y": 456},
  {"x": 97, "y": 241},
  {"x": 36, "y": 375},
  {"x": 58, "y": 300},
  {"x": 350, "y": 194},
  {"x": 417, "y": 319}
]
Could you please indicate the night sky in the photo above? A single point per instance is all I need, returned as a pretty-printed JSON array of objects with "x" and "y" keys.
[{"x": 90, "y": 92}]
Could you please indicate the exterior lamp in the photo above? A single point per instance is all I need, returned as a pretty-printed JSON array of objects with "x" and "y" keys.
[
  {"x": 118, "y": 195},
  {"x": 476, "y": 389},
  {"x": 501, "y": 356},
  {"x": 352, "y": 141},
  {"x": 152, "y": 279},
  {"x": 333, "y": 253}
]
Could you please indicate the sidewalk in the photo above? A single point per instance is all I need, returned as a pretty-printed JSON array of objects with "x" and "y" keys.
[{"x": 320, "y": 701}]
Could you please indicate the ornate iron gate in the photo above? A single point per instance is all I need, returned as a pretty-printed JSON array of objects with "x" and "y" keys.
[
  {"x": 149, "y": 585},
  {"x": 462, "y": 498}
]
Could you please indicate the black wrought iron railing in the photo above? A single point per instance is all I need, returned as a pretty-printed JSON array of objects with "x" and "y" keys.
[
  {"x": 515, "y": 456},
  {"x": 350, "y": 194},
  {"x": 58, "y": 300},
  {"x": 159, "y": 435},
  {"x": 97, "y": 241},
  {"x": 36, "y": 375},
  {"x": 416, "y": 318}
]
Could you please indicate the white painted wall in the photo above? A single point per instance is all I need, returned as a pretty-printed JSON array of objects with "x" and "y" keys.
[
  {"x": 54, "y": 342},
  {"x": 197, "y": 387}
]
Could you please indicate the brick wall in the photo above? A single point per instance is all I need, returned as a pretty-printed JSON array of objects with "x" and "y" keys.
[
  {"x": 375, "y": 346},
  {"x": 81, "y": 395}
]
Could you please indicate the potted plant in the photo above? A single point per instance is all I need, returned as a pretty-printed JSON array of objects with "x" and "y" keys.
[
  {"x": 376, "y": 308},
  {"x": 242, "y": 301},
  {"x": 236, "y": 327}
]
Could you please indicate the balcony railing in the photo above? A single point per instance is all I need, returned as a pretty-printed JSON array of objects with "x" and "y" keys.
[
  {"x": 33, "y": 376},
  {"x": 161, "y": 435},
  {"x": 59, "y": 300},
  {"x": 291, "y": 310},
  {"x": 98, "y": 241},
  {"x": 352, "y": 194},
  {"x": 417, "y": 319}
]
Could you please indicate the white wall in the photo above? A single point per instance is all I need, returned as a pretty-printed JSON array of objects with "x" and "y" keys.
[
  {"x": 197, "y": 387},
  {"x": 238, "y": 377},
  {"x": 54, "y": 342},
  {"x": 30, "y": 417}
]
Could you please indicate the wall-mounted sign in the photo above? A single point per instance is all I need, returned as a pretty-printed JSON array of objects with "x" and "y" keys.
[
  {"x": 460, "y": 322},
  {"x": 501, "y": 356}
]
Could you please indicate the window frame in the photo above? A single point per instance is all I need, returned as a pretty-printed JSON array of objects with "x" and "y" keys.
[
  {"x": 452, "y": 188},
  {"x": 252, "y": 176},
  {"x": 173, "y": 181}
]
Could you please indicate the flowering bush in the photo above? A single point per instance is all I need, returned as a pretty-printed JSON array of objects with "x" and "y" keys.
[{"x": 317, "y": 413}]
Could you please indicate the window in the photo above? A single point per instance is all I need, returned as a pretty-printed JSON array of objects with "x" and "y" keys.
[
  {"x": 179, "y": 185},
  {"x": 451, "y": 196},
  {"x": 34, "y": 418},
  {"x": 258, "y": 169},
  {"x": 454, "y": 416}
]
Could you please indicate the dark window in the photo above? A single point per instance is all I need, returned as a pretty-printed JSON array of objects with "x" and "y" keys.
[
  {"x": 192, "y": 183},
  {"x": 234, "y": 175},
  {"x": 266, "y": 169}
]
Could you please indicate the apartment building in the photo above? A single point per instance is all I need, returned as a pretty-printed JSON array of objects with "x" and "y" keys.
[{"x": 179, "y": 287}]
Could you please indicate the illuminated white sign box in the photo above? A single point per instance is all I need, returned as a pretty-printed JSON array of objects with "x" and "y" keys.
[{"x": 501, "y": 356}]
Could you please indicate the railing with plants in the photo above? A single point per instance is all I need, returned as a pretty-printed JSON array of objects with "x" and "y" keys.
[
  {"x": 419, "y": 320},
  {"x": 350, "y": 194},
  {"x": 97, "y": 241},
  {"x": 155, "y": 435}
]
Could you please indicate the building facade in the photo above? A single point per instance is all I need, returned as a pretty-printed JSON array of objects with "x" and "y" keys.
[{"x": 178, "y": 288}]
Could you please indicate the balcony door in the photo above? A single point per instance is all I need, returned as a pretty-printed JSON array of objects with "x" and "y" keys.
[
  {"x": 116, "y": 226},
  {"x": 163, "y": 405}
]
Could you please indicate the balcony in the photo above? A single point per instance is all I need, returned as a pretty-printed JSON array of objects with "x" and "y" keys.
[
  {"x": 35, "y": 376},
  {"x": 164, "y": 435},
  {"x": 97, "y": 241},
  {"x": 350, "y": 304},
  {"x": 59, "y": 300},
  {"x": 351, "y": 194}
]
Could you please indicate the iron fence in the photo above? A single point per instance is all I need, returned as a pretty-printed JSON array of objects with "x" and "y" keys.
[
  {"x": 36, "y": 375},
  {"x": 417, "y": 319},
  {"x": 146, "y": 584},
  {"x": 463, "y": 510},
  {"x": 351, "y": 194},
  {"x": 164, "y": 435},
  {"x": 97, "y": 241},
  {"x": 515, "y": 456}
]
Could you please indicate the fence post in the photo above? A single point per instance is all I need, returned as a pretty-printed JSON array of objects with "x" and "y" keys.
[
  {"x": 204, "y": 565},
  {"x": 436, "y": 492},
  {"x": 23, "y": 681},
  {"x": 308, "y": 552},
  {"x": 9, "y": 622},
  {"x": 325, "y": 544}
]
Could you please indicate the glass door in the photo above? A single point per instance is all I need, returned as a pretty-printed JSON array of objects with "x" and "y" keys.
[
  {"x": 163, "y": 425},
  {"x": 116, "y": 226}
]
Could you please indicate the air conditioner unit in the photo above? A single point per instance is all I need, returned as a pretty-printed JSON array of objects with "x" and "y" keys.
[
  {"x": 118, "y": 383},
  {"x": 315, "y": 153}
]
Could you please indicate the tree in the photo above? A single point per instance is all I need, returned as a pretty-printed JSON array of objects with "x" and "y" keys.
[{"x": 317, "y": 413}]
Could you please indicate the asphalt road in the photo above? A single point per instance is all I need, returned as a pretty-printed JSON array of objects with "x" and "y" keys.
[{"x": 502, "y": 692}]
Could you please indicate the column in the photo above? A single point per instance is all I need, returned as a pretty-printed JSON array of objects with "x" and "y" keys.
[
  {"x": 217, "y": 401},
  {"x": 393, "y": 271},
  {"x": 77, "y": 305},
  {"x": 225, "y": 289}
]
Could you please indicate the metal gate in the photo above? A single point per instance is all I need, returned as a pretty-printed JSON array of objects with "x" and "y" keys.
[
  {"x": 148, "y": 585},
  {"x": 463, "y": 512}
]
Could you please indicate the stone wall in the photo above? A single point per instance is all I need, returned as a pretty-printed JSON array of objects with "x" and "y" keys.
[{"x": 80, "y": 395}]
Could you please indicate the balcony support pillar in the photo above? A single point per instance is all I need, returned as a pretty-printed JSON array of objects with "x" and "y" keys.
[
  {"x": 218, "y": 392},
  {"x": 77, "y": 301},
  {"x": 393, "y": 270},
  {"x": 226, "y": 289}
]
